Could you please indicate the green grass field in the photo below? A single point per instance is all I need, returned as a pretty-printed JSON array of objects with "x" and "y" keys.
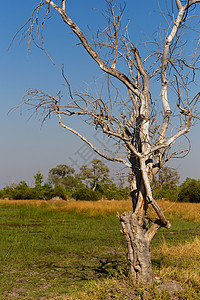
[{"x": 51, "y": 251}]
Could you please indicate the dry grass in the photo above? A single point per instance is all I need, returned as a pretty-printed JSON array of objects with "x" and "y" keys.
[
  {"x": 93, "y": 208},
  {"x": 23, "y": 202},
  {"x": 188, "y": 278},
  {"x": 184, "y": 211},
  {"x": 96, "y": 208},
  {"x": 188, "y": 250}
]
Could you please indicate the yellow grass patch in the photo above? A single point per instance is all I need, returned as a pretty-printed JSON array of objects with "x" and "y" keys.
[
  {"x": 185, "y": 211},
  {"x": 23, "y": 202},
  {"x": 189, "y": 249},
  {"x": 186, "y": 277},
  {"x": 94, "y": 208}
]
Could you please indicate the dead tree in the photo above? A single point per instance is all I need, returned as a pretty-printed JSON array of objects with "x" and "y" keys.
[{"x": 145, "y": 127}]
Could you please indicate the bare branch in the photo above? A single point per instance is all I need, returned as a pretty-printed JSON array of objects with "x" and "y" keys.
[
  {"x": 114, "y": 72},
  {"x": 92, "y": 146}
]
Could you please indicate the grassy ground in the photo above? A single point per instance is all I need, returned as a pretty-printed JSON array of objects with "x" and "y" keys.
[{"x": 59, "y": 250}]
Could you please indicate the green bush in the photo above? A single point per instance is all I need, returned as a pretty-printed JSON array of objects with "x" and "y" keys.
[
  {"x": 42, "y": 192},
  {"x": 59, "y": 191},
  {"x": 47, "y": 191},
  {"x": 169, "y": 192},
  {"x": 189, "y": 191},
  {"x": 85, "y": 193},
  {"x": 23, "y": 191},
  {"x": 118, "y": 194},
  {"x": 7, "y": 192},
  {"x": 19, "y": 191},
  {"x": 111, "y": 191}
]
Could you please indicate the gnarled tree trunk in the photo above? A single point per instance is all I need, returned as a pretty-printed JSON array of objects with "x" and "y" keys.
[
  {"x": 138, "y": 235},
  {"x": 135, "y": 228}
]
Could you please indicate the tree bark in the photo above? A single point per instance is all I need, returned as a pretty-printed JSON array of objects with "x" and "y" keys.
[
  {"x": 135, "y": 227},
  {"x": 138, "y": 236}
]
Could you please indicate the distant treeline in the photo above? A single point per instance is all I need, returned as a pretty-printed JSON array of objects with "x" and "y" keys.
[
  {"x": 94, "y": 183},
  {"x": 91, "y": 183}
]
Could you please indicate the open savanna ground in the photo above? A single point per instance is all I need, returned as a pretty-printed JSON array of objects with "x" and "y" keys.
[{"x": 75, "y": 250}]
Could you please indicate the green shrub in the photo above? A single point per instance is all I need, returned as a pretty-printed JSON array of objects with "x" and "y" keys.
[
  {"x": 167, "y": 191},
  {"x": 20, "y": 191},
  {"x": 85, "y": 193},
  {"x": 113, "y": 192},
  {"x": 189, "y": 191},
  {"x": 47, "y": 191},
  {"x": 59, "y": 191},
  {"x": 42, "y": 192}
]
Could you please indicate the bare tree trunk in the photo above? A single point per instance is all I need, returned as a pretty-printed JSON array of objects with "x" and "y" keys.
[
  {"x": 135, "y": 228},
  {"x": 135, "y": 231}
]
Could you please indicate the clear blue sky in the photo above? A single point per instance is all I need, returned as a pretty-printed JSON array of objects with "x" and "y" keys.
[{"x": 24, "y": 147}]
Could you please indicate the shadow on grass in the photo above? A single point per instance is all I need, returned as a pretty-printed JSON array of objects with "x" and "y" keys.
[{"x": 85, "y": 270}]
